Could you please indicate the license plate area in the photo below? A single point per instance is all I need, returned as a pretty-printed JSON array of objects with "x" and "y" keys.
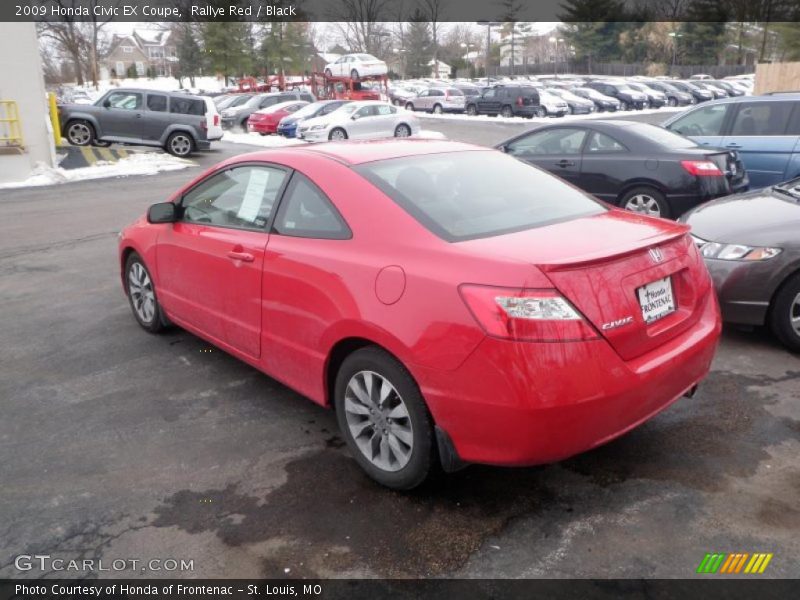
[{"x": 656, "y": 299}]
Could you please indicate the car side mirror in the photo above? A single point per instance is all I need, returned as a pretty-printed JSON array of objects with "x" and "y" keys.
[
  {"x": 503, "y": 148},
  {"x": 107, "y": 103},
  {"x": 354, "y": 118},
  {"x": 163, "y": 212}
]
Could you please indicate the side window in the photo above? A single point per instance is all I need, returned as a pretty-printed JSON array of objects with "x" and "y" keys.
[
  {"x": 385, "y": 110},
  {"x": 761, "y": 118},
  {"x": 242, "y": 198},
  {"x": 423, "y": 93},
  {"x": 707, "y": 120},
  {"x": 366, "y": 111},
  {"x": 794, "y": 123},
  {"x": 600, "y": 143},
  {"x": 268, "y": 101},
  {"x": 488, "y": 94},
  {"x": 306, "y": 212},
  {"x": 187, "y": 106},
  {"x": 125, "y": 100},
  {"x": 156, "y": 102},
  {"x": 552, "y": 141}
]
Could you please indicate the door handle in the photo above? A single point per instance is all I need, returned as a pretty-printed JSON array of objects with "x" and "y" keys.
[
  {"x": 565, "y": 163},
  {"x": 733, "y": 145},
  {"x": 242, "y": 256}
]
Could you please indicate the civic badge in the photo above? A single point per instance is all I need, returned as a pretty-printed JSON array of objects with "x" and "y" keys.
[{"x": 656, "y": 255}]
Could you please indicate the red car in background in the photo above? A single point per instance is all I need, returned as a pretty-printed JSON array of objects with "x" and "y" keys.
[
  {"x": 453, "y": 304},
  {"x": 265, "y": 121}
]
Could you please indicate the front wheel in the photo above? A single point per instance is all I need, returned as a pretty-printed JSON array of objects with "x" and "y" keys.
[
  {"x": 540, "y": 112},
  {"x": 180, "y": 144},
  {"x": 437, "y": 109},
  {"x": 472, "y": 110},
  {"x": 410, "y": 106},
  {"x": 337, "y": 135},
  {"x": 506, "y": 112},
  {"x": 625, "y": 106},
  {"x": 142, "y": 295},
  {"x": 384, "y": 420},
  {"x": 785, "y": 314},
  {"x": 647, "y": 201},
  {"x": 402, "y": 131},
  {"x": 672, "y": 102}
]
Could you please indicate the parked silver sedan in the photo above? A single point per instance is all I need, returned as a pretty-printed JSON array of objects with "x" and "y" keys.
[{"x": 438, "y": 100}]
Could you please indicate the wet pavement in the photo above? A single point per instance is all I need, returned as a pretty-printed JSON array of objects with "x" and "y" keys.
[{"x": 116, "y": 444}]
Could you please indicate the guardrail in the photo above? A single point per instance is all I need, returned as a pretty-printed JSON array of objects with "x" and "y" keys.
[{"x": 10, "y": 129}]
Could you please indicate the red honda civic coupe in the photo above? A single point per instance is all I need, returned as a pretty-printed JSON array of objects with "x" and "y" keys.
[
  {"x": 451, "y": 303},
  {"x": 266, "y": 120}
]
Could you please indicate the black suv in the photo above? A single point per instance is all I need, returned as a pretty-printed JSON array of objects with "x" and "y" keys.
[
  {"x": 628, "y": 97},
  {"x": 506, "y": 100},
  {"x": 238, "y": 115}
]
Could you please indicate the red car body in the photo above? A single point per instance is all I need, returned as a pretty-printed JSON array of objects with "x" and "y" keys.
[
  {"x": 266, "y": 121},
  {"x": 505, "y": 393}
]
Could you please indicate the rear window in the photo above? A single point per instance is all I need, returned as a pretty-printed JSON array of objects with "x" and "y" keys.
[
  {"x": 661, "y": 137},
  {"x": 455, "y": 92},
  {"x": 187, "y": 106},
  {"x": 467, "y": 195}
]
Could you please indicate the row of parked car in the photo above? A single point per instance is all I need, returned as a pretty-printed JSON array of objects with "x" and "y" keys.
[{"x": 540, "y": 97}]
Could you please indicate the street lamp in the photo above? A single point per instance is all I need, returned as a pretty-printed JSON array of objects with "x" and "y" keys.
[
  {"x": 467, "y": 46},
  {"x": 488, "y": 25},
  {"x": 674, "y": 35},
  {"x": 556, "y": 41}
]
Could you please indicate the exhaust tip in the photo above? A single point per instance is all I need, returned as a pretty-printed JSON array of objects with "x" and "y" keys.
[{"x": 691, "y": 392}]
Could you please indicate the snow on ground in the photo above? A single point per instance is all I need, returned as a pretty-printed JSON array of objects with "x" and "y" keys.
[
  {"x": 146, "y": 163},
  {"x": 163, "y": 84},
  {"x": 278, "y": 141},
  {"x": 666, "y": 111}
]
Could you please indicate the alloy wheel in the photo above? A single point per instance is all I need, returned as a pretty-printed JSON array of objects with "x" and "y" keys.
[
  {"x": 180, "y": 145},
  {"x": 338, "y": 135},
  {"x": 437, "y": 110},
  {"x": 644, "y": 204},
  {"x": 378, "y": 420},
  {"x": 794, "y": 315},
  {"x": 141, "y": 292},
  {"x": 79, "y": 134},
  {"x": 402, "y": 131}
]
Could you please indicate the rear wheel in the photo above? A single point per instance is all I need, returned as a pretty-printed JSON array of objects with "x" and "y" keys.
[
  {"x": 180, "y": 144},
  {"x": 437, "y": 109},
  {"x": 337, "y": 135},
  {"x": 142, "y": 295},
  {"x": 409, "y": 106},
  {"x": 785, "y": 314},
  {"x": 672, "y": 102},
  {"x": 507, "y": 112},
  {"x": 472, "y": 110},
  {"x": 540, "y": 112},
  {"x": 625, "y": 106},
  {"x": 80, "y": 133},
  {"x": 384, "y": 420},
  {"x": 647, "y": 201},
  {"x": 402, "y": 131}
]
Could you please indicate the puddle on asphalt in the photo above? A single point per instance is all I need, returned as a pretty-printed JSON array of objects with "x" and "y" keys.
[{"x": 336, "y": 519}]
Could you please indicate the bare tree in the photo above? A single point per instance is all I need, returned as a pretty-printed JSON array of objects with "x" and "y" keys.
[{"x": 360, "y": 23}]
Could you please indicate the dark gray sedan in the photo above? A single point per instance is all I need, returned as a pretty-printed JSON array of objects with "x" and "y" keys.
[{"x": 751, "y": 245}]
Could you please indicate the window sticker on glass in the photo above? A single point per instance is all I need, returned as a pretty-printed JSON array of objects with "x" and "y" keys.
[{"x": 253, "y": 195}]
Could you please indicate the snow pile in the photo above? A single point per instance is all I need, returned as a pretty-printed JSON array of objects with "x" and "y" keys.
[
  {"x": 666, "y": 111},
  {"x": 147, "y": 163}
]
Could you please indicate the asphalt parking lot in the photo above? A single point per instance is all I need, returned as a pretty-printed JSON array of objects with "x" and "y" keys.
[{"x": 122, "y": 445}]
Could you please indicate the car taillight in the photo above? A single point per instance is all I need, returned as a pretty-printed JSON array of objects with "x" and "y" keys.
[
  {"x": 216, "y": 120},
  {"x": 701, "y": 168},
  {"x": 519, "y": 100},
  {"x": 526, "y": 315}
]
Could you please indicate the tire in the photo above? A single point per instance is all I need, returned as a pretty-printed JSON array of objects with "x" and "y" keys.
[
  {"x": 506, "y": 112},
  {"x": 625, "y": 106},
  {"x": 541, "y": 112},
  {"x": 402, "y": 131},
  {"x": 328, "y": 73},
  {"x": 101, "y": 143},
  {"x": 180, "y": 144},
  {"x": 354, "y": 74},
  {"x": 785, "y": 307},
  {"x": 142, "y": 295},
  {"x": 80, "y": 133},
  {"x": 337, "y": 134},
  {"x": 409, "y": 106},
  {"x": 672, "y": 102},
  {"x": 472, "y": 110},
  {"x": 243, "y": 125},
  {"x": 408, "y": 455},
  {"x": 649, "y": 201},
  {"x": 437, "y": 109}
]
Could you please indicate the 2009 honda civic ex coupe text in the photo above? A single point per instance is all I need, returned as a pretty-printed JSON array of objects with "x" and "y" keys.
[{"x": 452, "y": 303}]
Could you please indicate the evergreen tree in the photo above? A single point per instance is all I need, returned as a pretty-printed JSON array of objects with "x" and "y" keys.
[
  {"x": 420, "y": 46},
  {"x": 225, "y": 48},
  {"x": 190, "y": 55},
  {"x": 586, "y": 29},
  {"x": 704, "y": 33}
]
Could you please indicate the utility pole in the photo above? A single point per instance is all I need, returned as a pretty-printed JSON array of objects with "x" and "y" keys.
[{"x": 488, "y": 25}]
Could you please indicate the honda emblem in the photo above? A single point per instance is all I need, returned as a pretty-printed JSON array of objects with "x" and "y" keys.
[{"x": 656, "y": 255}]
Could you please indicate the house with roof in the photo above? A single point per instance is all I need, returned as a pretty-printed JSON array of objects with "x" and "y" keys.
[{"x": 144, "y": 52}]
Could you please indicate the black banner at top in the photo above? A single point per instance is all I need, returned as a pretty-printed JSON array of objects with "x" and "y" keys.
[{"x": 160, "y": 11}]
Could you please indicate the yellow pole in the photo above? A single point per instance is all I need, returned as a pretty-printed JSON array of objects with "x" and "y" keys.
[{"x": 54, "y": 119}]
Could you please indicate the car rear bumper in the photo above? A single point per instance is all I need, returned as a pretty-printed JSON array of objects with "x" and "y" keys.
[
  {"x": 515, "y": 403},
  {"x": 288, "y": 132},
  {"x": 203, "y": 144}
]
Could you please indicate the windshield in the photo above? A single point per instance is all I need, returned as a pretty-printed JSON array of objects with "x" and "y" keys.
[
  {"x": 466, "y": 195},
  {"x": 237, "y": 101},
  {"x": 310, "y": 110}
]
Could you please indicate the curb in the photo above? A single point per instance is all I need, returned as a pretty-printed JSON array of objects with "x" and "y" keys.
[{"x": 78, "y": 157}]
